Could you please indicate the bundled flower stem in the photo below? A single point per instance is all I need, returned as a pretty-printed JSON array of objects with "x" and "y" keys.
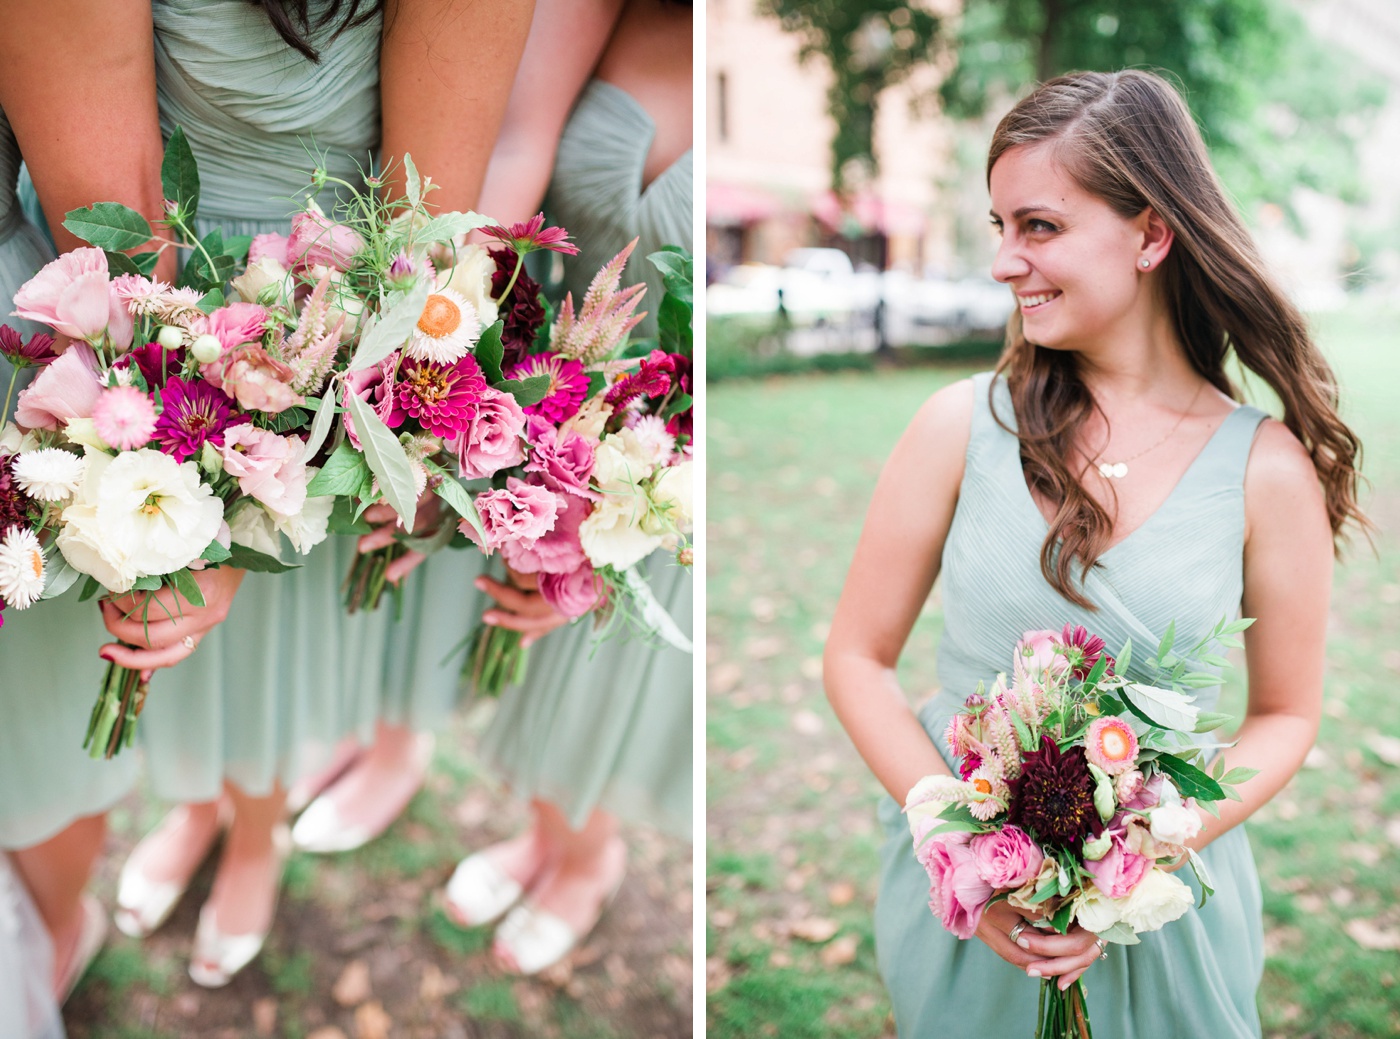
[
  {"x": 112, "y": 726},
  {"x": 367, "y": 580}
]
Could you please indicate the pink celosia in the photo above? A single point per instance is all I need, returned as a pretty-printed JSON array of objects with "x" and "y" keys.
[
  {"x": 65, "y": 389},
  {"x": 311, "y": 350},
  {"x": 603, "y": 319},
  {"x": 124, "y": 417},
  {"x": 568, "y": 385},
  {"x": 572, "y": 594},
  {"x": 1111, "y": 744},
  {"x": 517, "y": 512}
]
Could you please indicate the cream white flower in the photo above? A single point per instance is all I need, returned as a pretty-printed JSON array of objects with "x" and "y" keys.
[
  {"x": 1174, "y": 823},
  {"x": 674, "y": 491},
  {"x": 612, "y": 534},
  {"x": 925, "y": 803},
  {"x": 1095, "y": 911},
  {"x": 471, "y": 279},
  {"x": 446, "y": 330},
  {"x": 50, "y": 474},
  {"x": 1158, "y": 899},
  {"x": 83, "y": 432},
  {"x": 252, "y": 527},
  {"x": 590, "y": 420},
  {"x": 621, "y": 461},
  {"x": 13, "y": 442},
  {"x": 21, "y": 568},
  {"x": 260, "y": 278},
  {"x": 651, "y": 433},
  {"x": 308, "y": 528}
]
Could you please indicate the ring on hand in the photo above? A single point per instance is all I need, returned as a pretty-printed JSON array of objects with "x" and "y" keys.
[
  {"x": 188, "y": 642},
  {"x": 1103, "y": 948},
  {"x": 1015, "y": 932}
]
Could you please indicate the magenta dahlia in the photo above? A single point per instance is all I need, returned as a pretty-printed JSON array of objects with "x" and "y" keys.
[
  {"x": 1082, "y": 650},
  {"x": 194, "y": 414},
  {"x": 14, "y": 503},
  {"x": 442, "y": 397},
  {"x": 568, "y": 385},
  {"x": 1053, "y": 797}
]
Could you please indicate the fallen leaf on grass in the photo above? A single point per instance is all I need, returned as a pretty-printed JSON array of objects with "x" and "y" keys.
[
  {"x": 841, "y": 894},
  {"x": 722, "y": 917},
  {"x": 811, "y": 668},
  {"x": 264, "y": 1016},
  {"x": 435, "y": 984},
  {"x": 1392, "y": 831},
  {"x": 1317, "y": 758},
  {"x": 352, "y": 987},
  {"x": 815, "y": 929},
  {"x": 371, "y": 1022},
  {"x": 841, "y": 951},
  {"x": 807, "y": 723},
  {"x": 726, "y": 677},
  {"x": 1387, "y": 748},
  {"x": 1369, "y": 936},
  {"x": 763, "y": 649},
  {"x": 474, "y": 809},
  {"x": 717, "y": 974},
  {"x": 328, "y": 1032}
]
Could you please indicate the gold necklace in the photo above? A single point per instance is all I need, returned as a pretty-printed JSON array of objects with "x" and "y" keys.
[{"x": 1118, "y": 470}]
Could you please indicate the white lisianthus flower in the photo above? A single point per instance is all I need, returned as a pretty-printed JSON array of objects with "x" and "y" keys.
[
  {"x": 1095, "y": 911},
  {"x": 13, "y": 442},
  {"x": 471, "y": 279},
  {"x": 83, "y": 431},
  {"x": 1158, "y": 899},
  {"x": 260, "y": 278},
  {"x": 308, "y": 528},
  {"x": 612, "y": 535},
  {"x": 252, "y": 527},
  {"x": 675, "y": 487},
  {"x": 1174, "y": 823},
  {"x": 21, "y": 568},
  {"x": 621, "y": 461},
  {"x": 83, "y": 542},
  {"x": 49, "y": 474}
]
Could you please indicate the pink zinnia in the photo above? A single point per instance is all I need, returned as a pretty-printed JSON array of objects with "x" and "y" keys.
[
  {"x": 568, "y": 385},
  {"x": 530, "y": 235},
  {"x": 442, "y": 397},
  {"x": 124, "y": 417}
]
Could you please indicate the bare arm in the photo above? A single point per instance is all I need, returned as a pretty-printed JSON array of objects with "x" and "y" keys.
[
  {"x": 894, "y": 568},
  {"x": 86, "y": 125},
  {"x": 567, "y": 38},
  {"x": 446, "y": 68}
]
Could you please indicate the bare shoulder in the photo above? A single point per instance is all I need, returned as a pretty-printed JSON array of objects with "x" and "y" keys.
[
  {"x": 945, "y": 418},
  {"x": 931, "y": 453},
  {"x": 1281, "y": 486}
]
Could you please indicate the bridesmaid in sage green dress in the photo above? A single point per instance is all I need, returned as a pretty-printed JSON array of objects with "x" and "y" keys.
[{"x": 1134, "y": 279}]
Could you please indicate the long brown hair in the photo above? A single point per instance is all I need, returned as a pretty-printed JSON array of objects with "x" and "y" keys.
[{"x": 1128, "y": 138}]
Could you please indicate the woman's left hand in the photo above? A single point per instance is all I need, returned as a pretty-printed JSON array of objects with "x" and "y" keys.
[
  {"x": 163, "y": 622},
  {"x": 524, "y": 609},
  {"x": 386, "y": 527}
]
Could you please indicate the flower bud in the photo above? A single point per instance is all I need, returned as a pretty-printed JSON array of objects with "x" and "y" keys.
[
  {"x": 206, "y": 349},
  {"x": 210, "y": 460},
  {"x": 170, "y": 337}
]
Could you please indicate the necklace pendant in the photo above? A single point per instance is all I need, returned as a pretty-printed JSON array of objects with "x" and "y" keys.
[{"x": 1113, "y": 470}]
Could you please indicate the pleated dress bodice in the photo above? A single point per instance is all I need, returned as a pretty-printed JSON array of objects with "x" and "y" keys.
[{"x": 1197, "y": 976}]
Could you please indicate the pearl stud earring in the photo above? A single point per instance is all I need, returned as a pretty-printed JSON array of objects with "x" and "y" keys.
[{"x": 1146, "y": 262}]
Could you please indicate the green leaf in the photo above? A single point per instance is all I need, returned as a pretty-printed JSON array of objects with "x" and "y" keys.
[
  {"x": 147, "y": 583},
  {"x": 146, "y": 262},
  {"x": 1218, "y": 769},
  {"x": 321, "y": 427},
  {"x": 1124, "y": 658},
  {"x": 59, "y": 576},
  {"x": 237, "y": 246},
  {"x": 1120, "y": 934},
  {"x": 452, "y": 492},
  {"x": 412, "y": 182},
  {"x": 489, "y": 352},
  {"x": 1239, "y": 774},
  {"x": 597, "y": 383},
  {"x": 179, "y": 174},
  {"x": 386, "y": 459},
  {"x": 90, "y": 588},
  {"x": 215, "y": 552},
  {"x": 197, "y": 273},
  {"x": 1198, "y": 867},
  {"x": 542, "y": 335},
  {"x": 1165, "y": 646},
  {"x": 246, "y": 558},
  {"x": 1207, "y": 721},
  {"x": 343, "y": 519},
  {"x": 673, "y": 326},
  {"x": 1190, "y": 780},
  {"x": 525, "y": 391},
  {"x": 1049, "y": 892},
  {"x": 211, "y": 300},
  {"x": 677, "y": 269},
  {"x": 387, "y": 331},
  {"x": 1097, "y": 671},
  {"x": 450, "y": 225},
  {"x": 184, "y": 583},
  {"x": 345, "y": 472},
  {"x": 1062, "y": 918},
  {"x": 1164, "y": 707},
  {"x": 120, "y": 263},
  {"x": 1023, "y": 733},
  {"x": 109, "y": 225},
  {"x": 288, "y": 420},
  {"x": 1199, "y": 680},
  {"x": 683, "y": 402}
]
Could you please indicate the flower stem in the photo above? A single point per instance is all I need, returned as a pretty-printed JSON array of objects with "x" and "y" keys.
[
  {"x": 9, "y": 393},
  {"x": 519, "y": 265}
]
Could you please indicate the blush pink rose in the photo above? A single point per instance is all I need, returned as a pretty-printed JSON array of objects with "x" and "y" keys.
[
  {"x": 1144, "y": 795},
  {"x": 572, "y": 594},
  {"x": 374, "y": 386},
  {"x": 67, "y": 388},
  {"x": 1036, "y": 651},
  {"x": 559, "y": 551},
  {"x": 71, "y": 294},
  {"x": 491, "y": 440},
  {"x": 564, "y": 463},
  {"x": 518, "y": 512},
  {"x": 1120, "y": 870},
  {"x": 268, "y": 467},
  {"x": 1007, "y": 858},
  {"x": 259, "y": 381},
  {"x": 317, "y": 241},
  {"x": 957, "y": 893},
  {"x": 270, "y": 247},
  {"x": 232, "y": 325}
]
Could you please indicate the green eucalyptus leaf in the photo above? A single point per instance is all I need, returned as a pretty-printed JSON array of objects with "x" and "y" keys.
[
  {"x": 452, "y": 492},
  {"x": 321, "y": 427},
  {"x": 413, "y": 183},
  {"x": 90, "y": 588}
]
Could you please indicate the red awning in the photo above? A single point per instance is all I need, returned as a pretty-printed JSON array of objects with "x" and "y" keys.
[
  {"x": 871, "y": 212},
  {"x": 739, "y": 203}
]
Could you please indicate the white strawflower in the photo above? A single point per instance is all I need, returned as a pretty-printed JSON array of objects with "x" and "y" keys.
[
  {"x": 446, "y": 330},
  {"x": 50, "y": 474},
  {"x": 21, "y": 568}
]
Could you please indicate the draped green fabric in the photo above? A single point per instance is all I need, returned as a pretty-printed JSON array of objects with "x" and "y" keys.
[
  {"x": 609, "y": 726},
  {"x": 1197, "y": 976}
]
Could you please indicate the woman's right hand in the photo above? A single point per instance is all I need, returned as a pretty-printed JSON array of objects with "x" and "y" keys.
[
  {"x": 1049, "y": 954},
  {"x": 160, "y": 629}
]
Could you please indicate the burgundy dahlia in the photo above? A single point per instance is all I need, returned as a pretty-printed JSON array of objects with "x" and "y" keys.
[
  {"x": 14, "y": 503},
  {"x": 521, "y": 311},
  {"x": 194, "y": 413},
  {"x": 1082, "y": 650},
  {"x": 442, "y": 397},
  {"x": 155, "y": 364},
  {"x": 1053, "y": 797}
]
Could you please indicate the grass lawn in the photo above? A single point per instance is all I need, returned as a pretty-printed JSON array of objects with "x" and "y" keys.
[{"x": 792, "y": 838}]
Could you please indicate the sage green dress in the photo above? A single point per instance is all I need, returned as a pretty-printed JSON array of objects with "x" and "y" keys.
[
  {"x": 609, "y": 726},
  {"x": 49, "y": 667},
  {"x": 271, "y": 691},
  {"x": 1198, "y": 976}
]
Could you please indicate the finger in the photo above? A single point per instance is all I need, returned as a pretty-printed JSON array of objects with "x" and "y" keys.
[
  {"x": 380, "y": 537},
  {"x": 381, "y": 513},
  {"x": 522, "y": 623},
  {"x": 156, "y": 635},
  {"x": 1039, "y": 968},
  {"x": 144, "y": 659},
  {"x": 1048, "y": 944},
  {"x": 996, "y": 939},
  {"x": 1069, "y": 979},
  {"x": 403, "y": 566},
  {"x": 511, "y": 598}
]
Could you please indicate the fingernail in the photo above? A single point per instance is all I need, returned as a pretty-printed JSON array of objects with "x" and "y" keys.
[
  {"x": 1032, "y": 972},
  {"x": 1024, "y": 943},
  {"x": 480, "y": 584}
]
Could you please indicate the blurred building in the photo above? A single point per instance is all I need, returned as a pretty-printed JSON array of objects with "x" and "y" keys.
[{"x": 769, "y": 156}]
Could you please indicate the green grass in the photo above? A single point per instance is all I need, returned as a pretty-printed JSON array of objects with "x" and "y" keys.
[
  {"x": 792, "y": 463},
  {"x": 490, "y": 1001}
]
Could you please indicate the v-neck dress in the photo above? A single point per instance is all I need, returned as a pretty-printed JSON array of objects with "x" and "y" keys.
[
  {"x": 1197, "y": 976},
  {"x": 609, "y": 726}
]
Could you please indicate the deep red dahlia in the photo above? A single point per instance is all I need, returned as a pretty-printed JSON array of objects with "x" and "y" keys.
[
  {"x": 522, "y": 313},
  {"x": 1053, "y": 797},
  {"x": 14, "y": 503}
]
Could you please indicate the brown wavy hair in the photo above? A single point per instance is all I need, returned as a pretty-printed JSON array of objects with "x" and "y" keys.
[{"x": 1129, "y": 139}]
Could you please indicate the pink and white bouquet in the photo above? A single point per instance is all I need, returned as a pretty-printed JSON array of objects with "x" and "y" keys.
[
  {"x": 168, "y": 436},
  {"x": 1075, "y": 788}
]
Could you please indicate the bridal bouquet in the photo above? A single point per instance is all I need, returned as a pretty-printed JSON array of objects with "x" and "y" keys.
[
  {"x": 1075, "y": 788},
  {"x": 166, "y": 438}
]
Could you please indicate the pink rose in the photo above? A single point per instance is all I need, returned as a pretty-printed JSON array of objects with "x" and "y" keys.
[
  {"x": 1007, "y": 858},
  {"x": 259, "y": 381},
  {"x": 232, "y": 325},
  {"x": 372, "y": 385},
  {"x": 1120, "y": 870},
  {"x": 316, "y": 241},
  {"x": 271, "y": 247},
  {"x": 67, "y": 388},
  {"x": 1144, "y": 795},
  {"x": 957, "y": 893},
  {"x": 519, "y": 512},
  {"x": 559, "y": 551},
  {"x": 71, "y": 294},
  {"x": 268, "y": 467},
  {"x": 491, "y": 440},
  {"x": 573, "y": 594},
  {"x": 565, "y": 463},
  {"x": 1036, "y": 651}
]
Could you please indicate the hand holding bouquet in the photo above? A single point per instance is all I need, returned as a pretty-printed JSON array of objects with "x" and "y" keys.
[{"x": 1074, "y": 797}]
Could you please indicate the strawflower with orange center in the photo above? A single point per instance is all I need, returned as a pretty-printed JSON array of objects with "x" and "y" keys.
[
  {"x": 446, "y": 330},
  {"x": 1111, "y": 744}
]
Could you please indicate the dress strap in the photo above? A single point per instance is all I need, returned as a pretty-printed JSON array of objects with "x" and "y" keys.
[{"x": 1226, "y": 456}]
